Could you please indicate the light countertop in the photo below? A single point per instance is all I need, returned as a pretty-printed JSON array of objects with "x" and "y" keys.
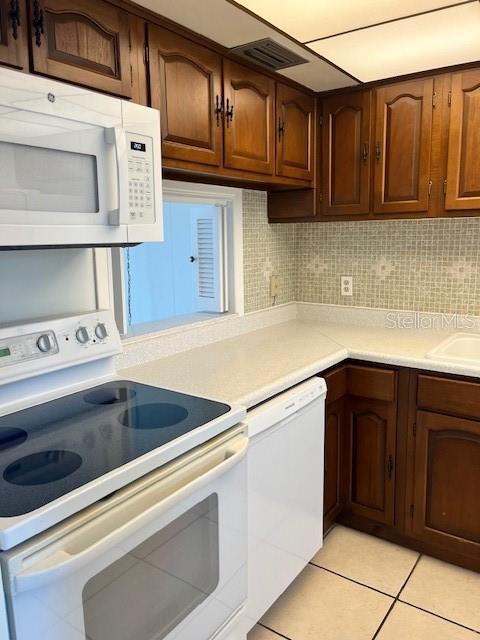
[{"x": 254, "y": 366}]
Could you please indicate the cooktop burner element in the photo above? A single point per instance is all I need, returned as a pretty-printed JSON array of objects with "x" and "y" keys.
[
  {"x": 153, "y": 416},
  {"x": 42, "y": 467},
  {"x": 11, "y": 437},
  {"x": 68, "y": 442}
]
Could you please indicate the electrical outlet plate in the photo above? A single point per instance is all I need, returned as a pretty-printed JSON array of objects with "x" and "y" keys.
[
  {"x": 346, "y": 285},
  {"x": 274, "y": 285}
]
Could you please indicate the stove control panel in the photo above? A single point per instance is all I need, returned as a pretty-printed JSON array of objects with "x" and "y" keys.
[
  {"x": 56, "y": 343},
  {"x": 27, "y": 347}
]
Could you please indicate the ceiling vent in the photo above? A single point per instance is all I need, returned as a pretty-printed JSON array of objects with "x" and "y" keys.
[{"x": 268, "y": 53}]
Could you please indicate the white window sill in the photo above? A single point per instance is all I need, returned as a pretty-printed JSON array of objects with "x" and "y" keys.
[{"x": 172, "y": 326}]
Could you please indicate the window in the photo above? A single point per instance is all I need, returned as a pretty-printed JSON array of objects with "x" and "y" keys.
[{"x": 194, "y": 274}]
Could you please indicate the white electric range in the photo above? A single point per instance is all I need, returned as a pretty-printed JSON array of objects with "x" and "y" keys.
[{"x": 123, "y": 506}]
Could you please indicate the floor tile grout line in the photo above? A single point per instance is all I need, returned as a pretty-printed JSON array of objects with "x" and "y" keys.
[
  {"x": 384, "y": 620},
  {"x": 396, "y": 597},
  {"x": 280, "y": 635},
  {"x": 420, "y": 555},
  {"x": 361, "y": 584},
  {"x": 436, "y": 615}
]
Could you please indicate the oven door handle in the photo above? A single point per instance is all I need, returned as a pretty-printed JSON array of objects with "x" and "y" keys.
[
  {"x": 116, "y": 137},
  {"x": 76, "y": 550}
]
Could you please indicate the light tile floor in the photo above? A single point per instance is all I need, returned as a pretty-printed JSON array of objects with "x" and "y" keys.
[{"x": 361, "y": 588}]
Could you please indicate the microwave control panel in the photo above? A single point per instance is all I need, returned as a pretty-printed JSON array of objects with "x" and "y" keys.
[{"x": 140, "y": 179}]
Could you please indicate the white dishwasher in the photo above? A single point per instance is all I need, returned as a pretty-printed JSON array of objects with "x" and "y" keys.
[{"x": 285, "y": 491}]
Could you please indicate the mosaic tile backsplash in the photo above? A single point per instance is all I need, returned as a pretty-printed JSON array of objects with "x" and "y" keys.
[
  {"x": 415, "y": 265},
  {"x": 268, "y": 249}
]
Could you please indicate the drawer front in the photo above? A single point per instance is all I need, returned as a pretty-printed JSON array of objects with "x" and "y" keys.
[
  {"x": 456, "y": 397},
  {"x": 366, "y": 382}
]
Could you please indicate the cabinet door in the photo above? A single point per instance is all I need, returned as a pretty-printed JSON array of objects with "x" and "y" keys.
[
  {"x": 447, "y": 478},
  {"x": 346, "y": 154},
  {"x": 13, "y": 43},
  {"x": 186, "y": 85},
  {"x": 403, "y": 133},
  {"x": 249, "y": 119},
  {"x": 333, "y": 494},
  {"x": 82, "y": 41},
  {"x": 370, "y": 442},
  {"x": 295, "y": 133},
  {"x": 463, "y": 173}
]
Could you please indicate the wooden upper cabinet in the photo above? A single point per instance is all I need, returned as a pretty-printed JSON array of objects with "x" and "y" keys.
[
  {"x": 249, "y": 119},
  {"x": 186, "y": 85},
  {"x": 85, "y": 42},
  {"x": 371, "y": 435},
  {"x": 13, "y": 41},
  {"x": 446, "y": 481},
  {"x": 346, "y": 154},
  {"x": 403, "y": 136},
  {"x": 463, "y": 172},
  {"x": 295, "y": 133}
]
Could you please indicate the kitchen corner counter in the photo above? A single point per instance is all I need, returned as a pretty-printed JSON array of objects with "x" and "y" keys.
[
  {"x": 246, "y": 369},
  {"x": 252, "y": 367}
]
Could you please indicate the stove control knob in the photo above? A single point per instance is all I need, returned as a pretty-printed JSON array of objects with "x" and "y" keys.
[
  {"x": 101, "y": 331},
  {"x": 44, "y": 343},
  {"x": 82, "y": 335}
]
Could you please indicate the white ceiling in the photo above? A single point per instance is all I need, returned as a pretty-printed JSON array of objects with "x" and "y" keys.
[
  {"x": 308, "y": 20},
  {"x": 430, "y": 41},
  {"x": 448, "y": 34}
]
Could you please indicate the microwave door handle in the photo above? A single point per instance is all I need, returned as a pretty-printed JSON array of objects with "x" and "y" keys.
[
  {"x": 63, "y": 562},
  {"x": 116, "y": 136}
]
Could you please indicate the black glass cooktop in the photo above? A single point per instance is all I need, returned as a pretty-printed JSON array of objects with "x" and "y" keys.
[{"x": 48, "y": 450}]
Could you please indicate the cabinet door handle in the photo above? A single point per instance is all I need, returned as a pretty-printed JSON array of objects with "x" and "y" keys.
[
  {"x": 14, "y": 14},
  {"x": 365, "y": 153},
  {"x": 281, "y": 129},
  {"x": 229, "y": 112},
  {"x": 378, "y": 152},
  {"x": 38, "y": 23},
  {"x": 390, "y": 467},
  {"x": 219, "y": 109}
]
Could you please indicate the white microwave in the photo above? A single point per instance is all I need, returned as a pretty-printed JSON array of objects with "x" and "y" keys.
[{"x": 77, "y": 168}]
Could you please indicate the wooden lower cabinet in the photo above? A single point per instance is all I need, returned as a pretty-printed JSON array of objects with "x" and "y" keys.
[
  {"x": 333, "y": 490},
  {"x": 446, "y": 482},
  {"x": 370, "y": 445},
  {"x": 397, "y": 465}
]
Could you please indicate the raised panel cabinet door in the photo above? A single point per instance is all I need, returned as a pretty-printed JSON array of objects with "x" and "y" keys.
[
  {"x": 402, "y": 153},
  {"x": 186, "y": 85},
  {"x": 370, "y": 438},
  {"x": 346, "y": 154},
  {"x": 13, "y": 42},
  {"x": 249, "y": 119},
  {"x": 333, "y": 493},
  {"x": 82, "y": 41},
  {"x": 295, "y": 114},
  {"x": 446, "y": 482},
  {"x": 463, "y": 172}
]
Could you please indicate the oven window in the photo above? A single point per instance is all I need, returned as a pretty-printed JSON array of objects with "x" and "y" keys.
[
  {"x": 149, "y": 591},
  {"x": 40, "y": 179}
]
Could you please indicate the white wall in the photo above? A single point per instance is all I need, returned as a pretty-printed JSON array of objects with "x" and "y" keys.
[{"x": 40, "y": 283}]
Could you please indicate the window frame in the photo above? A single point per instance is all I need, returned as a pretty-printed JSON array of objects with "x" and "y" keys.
[{"x": 189, "y": 192}]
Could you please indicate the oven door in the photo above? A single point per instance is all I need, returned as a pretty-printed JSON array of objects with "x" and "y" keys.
[
  {"x": 62, "y": 151},
  {"x": 163, "y": 559}
]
